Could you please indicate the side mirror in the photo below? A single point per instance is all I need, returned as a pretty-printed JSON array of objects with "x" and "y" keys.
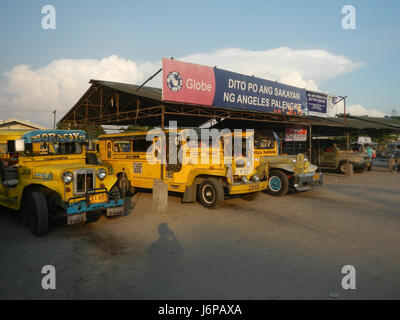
[{"x": 16, "y": 145}]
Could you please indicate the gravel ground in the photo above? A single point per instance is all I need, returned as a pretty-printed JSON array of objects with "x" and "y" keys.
[{"x": 271, "y": 248}]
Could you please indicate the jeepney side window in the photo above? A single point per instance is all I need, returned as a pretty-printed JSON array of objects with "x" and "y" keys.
[
  {"x": 264, "y": 143},
  {"x": 122, "y": 146},
  {"x": 141, "y": 145}
]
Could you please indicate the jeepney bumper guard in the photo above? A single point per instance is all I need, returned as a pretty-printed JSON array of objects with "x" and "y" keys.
[
  {"x": 73, "y": 206},
  {"x": 307, "y": 181}
]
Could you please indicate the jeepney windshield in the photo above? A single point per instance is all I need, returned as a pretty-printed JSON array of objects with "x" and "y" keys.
[
  {"x": 53, "y": 148},
  {"x": 264, "y": 143},
  {"x": 342, "y": 145}
]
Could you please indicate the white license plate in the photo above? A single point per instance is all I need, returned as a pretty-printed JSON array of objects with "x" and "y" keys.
[
  {"x": 76, "y": 218},
  {"x": 116, "y": 211}
]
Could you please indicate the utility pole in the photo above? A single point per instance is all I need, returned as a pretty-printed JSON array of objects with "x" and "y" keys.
[{"x": 54, "y": 121}]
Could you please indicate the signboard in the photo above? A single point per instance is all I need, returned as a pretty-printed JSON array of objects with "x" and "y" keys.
[
  {"x": 296, "y": 134},
  {"x": 40, "y": 136},
  {"x": 316, "y": 103},
  {"x": 196, "y": 84}
]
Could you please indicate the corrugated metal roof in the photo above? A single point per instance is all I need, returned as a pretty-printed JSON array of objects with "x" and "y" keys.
[{"x": 145, "y": 92}]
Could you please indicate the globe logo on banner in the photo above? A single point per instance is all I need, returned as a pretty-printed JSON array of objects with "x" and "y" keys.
[{"x": 174, "y": 81}]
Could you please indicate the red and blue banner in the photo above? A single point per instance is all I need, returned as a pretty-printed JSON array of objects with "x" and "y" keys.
[{"x": 196, "y": 84}]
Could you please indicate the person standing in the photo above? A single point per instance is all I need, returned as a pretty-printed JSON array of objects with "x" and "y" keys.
[{"x": 368, "y": 149}]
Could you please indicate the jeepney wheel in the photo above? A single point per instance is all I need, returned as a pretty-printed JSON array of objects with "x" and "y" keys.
[
  {"x": 370, "y": 168},
  {"x": 124, "y": 184},
  {"x": 39, "y": 214},
  {"x": 211, "y": 193},
  {"x": 278, "y": 183},
  {"x": 360, "y": 170},
  {"x": 250, "y": 196}
]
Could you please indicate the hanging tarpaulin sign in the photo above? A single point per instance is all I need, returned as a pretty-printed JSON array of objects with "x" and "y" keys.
[
  {"x": 196, "y": 84},
  {"x": 316, "y": 103},
  {"x": 296, "y": 134}
]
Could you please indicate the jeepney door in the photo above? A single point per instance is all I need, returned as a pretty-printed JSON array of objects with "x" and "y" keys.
[
  {"x": 146, "y": 157},
  {"x": 327, "y": 154}
]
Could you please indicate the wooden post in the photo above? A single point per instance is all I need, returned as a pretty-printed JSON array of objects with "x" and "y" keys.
[
  {"x": 310, "y": 142},
  {"x": 162, "y": 128},
  {"x": 101, "y": 105},
  {"x": 117, "y": 96}
]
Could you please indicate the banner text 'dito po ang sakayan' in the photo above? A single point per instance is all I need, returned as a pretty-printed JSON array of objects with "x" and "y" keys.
[{"x": 196, "y": 84}]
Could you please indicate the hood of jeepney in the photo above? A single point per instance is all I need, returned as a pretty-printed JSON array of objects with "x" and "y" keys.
[
  {"x": 56, "y": 169},
  {"x": 296, "y": 164}
]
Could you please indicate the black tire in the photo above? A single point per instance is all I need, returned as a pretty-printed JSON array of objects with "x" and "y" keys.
[
  {"x": 211, "y": 193},
  {"x": 250, "y": 196},
  {"x": 278, "y": 183},
  {"x": 39, "y": 214},
  {"x": 361, "y": 170},
  {"x": 369, "y": 168}
]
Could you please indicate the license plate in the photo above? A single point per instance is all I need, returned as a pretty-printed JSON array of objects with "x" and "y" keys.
[
  {"x": 254, "y": 186},
  {"x": 98, "y": 198},
  {"x": 116, "y": 211},
  {"x": 76, "y": 218},
  {"x": 315, "y": 177}
]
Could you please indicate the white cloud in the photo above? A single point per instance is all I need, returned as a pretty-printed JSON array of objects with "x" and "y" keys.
[
  {"x": 359, "y": 110},
  {"x": 60, "y": 84}
]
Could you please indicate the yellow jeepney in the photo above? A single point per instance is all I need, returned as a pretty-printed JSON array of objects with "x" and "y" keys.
[
  {"x": 43, "y": 175},
  {"x": 135, "y": 157}
]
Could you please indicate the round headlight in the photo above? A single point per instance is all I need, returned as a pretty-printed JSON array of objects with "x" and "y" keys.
[
  {"x": 101, "y": 173},
  {"x": 67, "y": 177},
  {"x": 244, "y": 179},
  {"x": 256, "y": 178}
]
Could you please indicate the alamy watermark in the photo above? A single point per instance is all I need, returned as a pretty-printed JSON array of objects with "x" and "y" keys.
[
  {"x": 49, "y": 280},
  {"x": 49, "y": 20},
  {"x": 202, "y": 146},
  {"x": 349, "y": 20},
  {"x": 349, "y": 280}
]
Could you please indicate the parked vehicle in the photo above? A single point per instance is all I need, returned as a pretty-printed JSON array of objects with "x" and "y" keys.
[
  {"x": 136, "y": 162},
  {"x": 331, "y": 153},
  {"x": 48, "y": 178},
  {"x": 287, "y": 172}
]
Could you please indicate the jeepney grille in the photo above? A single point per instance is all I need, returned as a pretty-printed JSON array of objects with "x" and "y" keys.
[{"x": 84, "y": 181}]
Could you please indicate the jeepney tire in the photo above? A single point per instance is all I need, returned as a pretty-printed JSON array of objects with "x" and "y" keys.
[
  {"x": 215, "y": 193},
  {"x": 369, "y": 168},
  {"x": 284, "y": 183},
  {"x": 39, "y": 213},
  {"x": 250, "y": 196},
  {"x": 360, "y": 170}
]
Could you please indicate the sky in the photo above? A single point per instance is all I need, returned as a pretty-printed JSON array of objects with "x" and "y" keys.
[{"x": 300, "y": 43}]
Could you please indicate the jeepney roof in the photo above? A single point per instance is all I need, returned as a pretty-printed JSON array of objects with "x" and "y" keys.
[{"x": 12, "y": 134}]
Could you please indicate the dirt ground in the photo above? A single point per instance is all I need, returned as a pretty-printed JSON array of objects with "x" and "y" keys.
[{"x": 272, "y": 248}]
